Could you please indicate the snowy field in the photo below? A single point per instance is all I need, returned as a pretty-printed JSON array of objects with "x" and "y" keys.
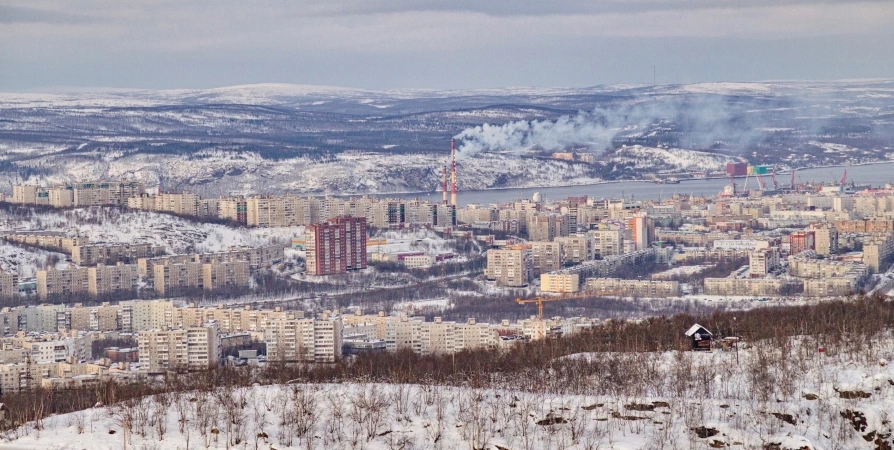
[
  {"x": 178, "y": 235},
  {"x": 786, "y": 395}
]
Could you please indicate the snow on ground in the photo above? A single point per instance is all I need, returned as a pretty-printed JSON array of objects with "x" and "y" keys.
[
  {"x": 674, "y": 159},
  {"x": 402, "y": 241},
  {"x": 25, "y": 261},
  {"x": 178, "y": 235},
  {"x": 751, "y": 398},
  {"x": 681, "y": 271},
  {"x": 416, "y": 306}
]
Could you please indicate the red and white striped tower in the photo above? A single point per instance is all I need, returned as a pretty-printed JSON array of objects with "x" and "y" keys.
[
  {"x": 453, "y": 171},
  {"x": 444, "y": 185}
]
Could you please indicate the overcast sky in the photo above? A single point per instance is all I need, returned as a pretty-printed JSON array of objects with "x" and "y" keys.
[{"x": 438, "y": 43}]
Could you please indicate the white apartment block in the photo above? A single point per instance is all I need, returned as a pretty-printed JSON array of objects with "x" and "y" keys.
[
  {"x": 304, "y": 340},
  {"x": 877, "y": 251},
  {"x": 104, "y": 279},
  {"x": 743, "y": 286},
  {"x": 63, "y": 282},
  {"x": 92, "y": 254},
  {"x": 560, "y": 282},
  {"x": 829, "y": 287},
  {"x": 607, "y": 242},
  {"x": 57, "y": 242},
  {"x": 9, "y": 284},
  {"x": 638, "y": 288},
  {"x": 510, "y": 267},
  {"x": 763, "y": 261},
  {"x": 577, "y": 248},
  {"x": 193, "y": 348},
  {"x": 438, "y": 337},
  {"x": 546, "y": 257},
  {"x": 805, "y": 265}
]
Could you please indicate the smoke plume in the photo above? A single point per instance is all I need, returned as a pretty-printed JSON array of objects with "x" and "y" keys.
[{"x": 696, "y": 121}]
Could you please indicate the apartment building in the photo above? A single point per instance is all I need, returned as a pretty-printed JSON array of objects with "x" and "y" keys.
[
  {"x": 560, "y": 282},
  {"x": 304, "y": 340},
  {"x": 234, "y": 209},
  {"x": 805, "y": 265},
  {"x": 801, "y": 241},
  {"x": 637, "y": 288},
  {"x": 193, "y": 348},
  {"x": 210, "y": 276},
  {"x": 744, "y": 286},
  {"x": 21, "y": 376},
  {"x": 104, "y": 279},
  {"x": 173, "y": 277},
  {"x": 101, "y": 253},
  {"x": 105, "y": 317},
  {"x": 146, "y": 266},
  {"x": 49, "y": 241},
  {"x": 78, "y": 194},
  {"x": 231, "y": 320},
  {"x": 546, "y": 257},
  {"x": 607, "y": 242},
  {"x": 609, "y": 265},
  {"x": 477, "y": 213},
  {"x": 509, "y": 267},
  {"x": 692, "y": 238},
  {"x": 864, "y": 226},
  {"x": 762, "y": 262},
  {"x": 184, "y": 203},
  {"x": 65, "y": 282},
  {"x": 825, "y": 238},
  {"x": 404, "y": 334},
  {"x": 94, "y": 280},
  {"x": 878, "y": 250},
  {"x": 30, "y": 195},
  {"x": 643, "y": 231},
  {"x": 698, "y": 254},
  {"x": 355, "y": 240},
  {"x": 547, "y": 226},
  {"x": 577, "y": 247},
  {"x": 140, "y": 315},
  {"x": 336, "y": 246},
  {"x": 225, "y": 275},
  {"x": 830, "y": 287},
  {"x": 9, "y": 284}
]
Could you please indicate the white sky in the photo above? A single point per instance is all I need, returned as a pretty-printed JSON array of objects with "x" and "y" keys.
[{"x": 437, "y": 43}]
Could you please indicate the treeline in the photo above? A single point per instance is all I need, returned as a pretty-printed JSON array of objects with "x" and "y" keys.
[{"x": 620, "y": 354}]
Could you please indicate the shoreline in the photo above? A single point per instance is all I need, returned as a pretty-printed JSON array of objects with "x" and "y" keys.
[{"x": 594, "y": 183}]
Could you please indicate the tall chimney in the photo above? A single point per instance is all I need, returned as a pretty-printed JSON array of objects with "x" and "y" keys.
[
  {"x": 444, "y": 185},
  {"x": 453, "y": 171}
]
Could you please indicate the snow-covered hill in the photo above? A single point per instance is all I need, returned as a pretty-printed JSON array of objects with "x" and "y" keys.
[
  {"x": 765, "y": 397},
  {"x": 176, "y": 234},
  {"x": 322, "y": 139}
]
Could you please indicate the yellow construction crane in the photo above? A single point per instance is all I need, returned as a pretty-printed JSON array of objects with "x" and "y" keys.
[{"x": 541, "y": 300}]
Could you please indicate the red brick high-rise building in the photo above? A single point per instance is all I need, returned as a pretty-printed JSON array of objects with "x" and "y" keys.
[
  {"x": 801, "y": 241},
  {"x": 336, "y": 246},
  {"x": 355, "y": 240}
]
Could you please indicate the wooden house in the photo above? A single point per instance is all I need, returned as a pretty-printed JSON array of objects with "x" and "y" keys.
[{"x": 701, "y": 338}]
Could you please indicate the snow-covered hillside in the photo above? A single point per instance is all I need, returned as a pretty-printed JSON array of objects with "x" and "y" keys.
[
  {"x": 766, "y": 397},
  {"x": 670, "y": 159},
  {"x": 176, "y": 234},
  {"x": 322, "y": 139},
  {"x": 217, "y": 172}
]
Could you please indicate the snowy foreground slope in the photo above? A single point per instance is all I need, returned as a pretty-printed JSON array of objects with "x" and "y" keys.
[{"x": 776, "y": 395}]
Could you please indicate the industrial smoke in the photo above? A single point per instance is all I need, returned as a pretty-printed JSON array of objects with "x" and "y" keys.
[{"x": 701, "y": 119}]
